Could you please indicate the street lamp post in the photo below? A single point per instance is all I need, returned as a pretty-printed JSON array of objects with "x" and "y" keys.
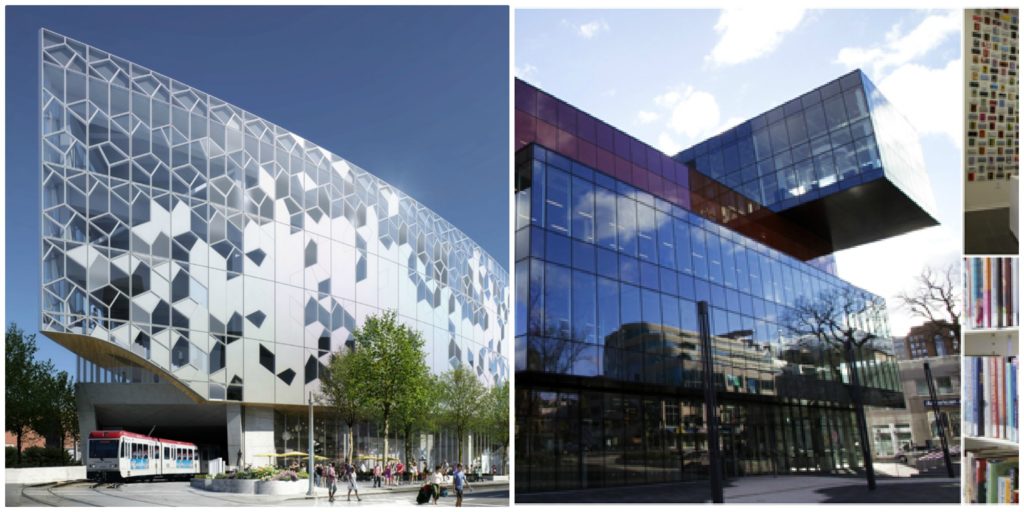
[{"x": 310, "y": 464}]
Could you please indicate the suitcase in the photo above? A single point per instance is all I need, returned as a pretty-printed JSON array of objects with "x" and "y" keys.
[{"x": 424, "y": 495}]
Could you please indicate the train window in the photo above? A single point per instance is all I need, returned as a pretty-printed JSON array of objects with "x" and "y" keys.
[{"x": 124, "y": 450}]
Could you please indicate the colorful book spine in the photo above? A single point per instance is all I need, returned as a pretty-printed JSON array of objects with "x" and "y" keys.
[
  {"x": 991, "y": 287},
  {"x": 991, "y": 401}
]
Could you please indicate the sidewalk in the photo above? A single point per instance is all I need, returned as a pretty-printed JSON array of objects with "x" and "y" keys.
[
  {"x": 366, "y": 489},
  {"x": 768, "y": 489}
]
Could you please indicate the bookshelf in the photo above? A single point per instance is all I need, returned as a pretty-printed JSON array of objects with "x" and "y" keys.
[{"x": 987, "y": 455}]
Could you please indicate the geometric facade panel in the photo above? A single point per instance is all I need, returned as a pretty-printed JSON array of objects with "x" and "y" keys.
[{"x": 209, "y": 241}]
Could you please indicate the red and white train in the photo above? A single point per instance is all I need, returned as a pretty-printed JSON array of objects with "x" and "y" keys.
[{"x": 120, "y": 455}]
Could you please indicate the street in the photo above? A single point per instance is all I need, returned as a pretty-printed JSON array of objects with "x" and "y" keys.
[{"x": 163, "y": 494}]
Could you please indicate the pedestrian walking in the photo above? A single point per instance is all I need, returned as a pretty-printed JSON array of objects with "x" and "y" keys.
[
  {"x": 400, "y": 472},
  {"x": 352, "y": 486},
  {"x": 376, "y": 475},
  {"x": 436, "y": 479},
  {"x": 318, "y": 475},
  {"x": 332, "y": 482},
  {"x": 387, "y": 474},
  {"x": 460, "y": 481}
]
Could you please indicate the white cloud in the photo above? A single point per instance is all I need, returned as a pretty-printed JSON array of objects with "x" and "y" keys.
[
  {"x": 727, "y": 124},
  {"x": 693, "y": 112},
  {"x": 646, "y": 117},
  {"x": 587, "y": 30},
  {"x": 929, "y": 98},
  {"x": 904, "y": 257},
  {"x": 668, "y": 99},
  {"x": 899, "y": 48},
  {"x": 528, "y": 72},
  {"x": 749, "y": 33},
  {"x": 667, "y": 144},
  {"x": 689, "y": 115}
]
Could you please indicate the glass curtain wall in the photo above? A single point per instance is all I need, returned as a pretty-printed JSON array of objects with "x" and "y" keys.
[{"x": 608, "y": 361}]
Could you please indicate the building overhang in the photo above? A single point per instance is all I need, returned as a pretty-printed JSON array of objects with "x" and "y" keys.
[
  {"x": 868, "y": 212},
  {"x": 108, "y": 355}
]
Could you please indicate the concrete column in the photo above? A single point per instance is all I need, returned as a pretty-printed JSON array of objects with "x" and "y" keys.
[
  {"x": 234, "y": 420},
  {"x": 257, "y": 435},
  {"x": 86, "y": 420}
]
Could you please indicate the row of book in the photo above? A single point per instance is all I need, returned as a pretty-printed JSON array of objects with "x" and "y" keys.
[
  {"x": 991, "y": 290},
  {"x": 992, "y": 479},
  {"x": 991, "y": 407}
]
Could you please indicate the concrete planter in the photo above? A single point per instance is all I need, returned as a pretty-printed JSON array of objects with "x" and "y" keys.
[
  {"x": 271, "y": 487},
  {"x": 278, "y": 488},
  {"x": 225, "y": 485},
  {"x": 47, "y": 475},
  {"x": 200, "y": 483}
]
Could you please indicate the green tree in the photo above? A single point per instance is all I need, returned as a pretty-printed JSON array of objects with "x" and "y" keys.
[
  {"x": 26, "y": 386},
  {"x": 339, "y": 388},
  {"x": 391, "y": 357},
  {"x": 60, "y": 412},
  {"x": 461, "y": 397},
  {"x": 496, "y": 419},
  {"x": 416, "y": 415}
]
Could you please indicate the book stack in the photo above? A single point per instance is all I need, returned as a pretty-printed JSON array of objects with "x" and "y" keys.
[
  {"x": 991, "y": 291},
  {"x": 991, "y": 407},
  {"x": 992, "y": 479}
]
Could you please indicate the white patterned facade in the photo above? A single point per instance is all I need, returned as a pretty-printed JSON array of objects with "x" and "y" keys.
[{"x": 228, "y": 255}]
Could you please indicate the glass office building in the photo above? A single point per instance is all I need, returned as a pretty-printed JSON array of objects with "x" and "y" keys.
[
  {"x": 615, "y": 245},
  {"x": 188, "y": 242}
]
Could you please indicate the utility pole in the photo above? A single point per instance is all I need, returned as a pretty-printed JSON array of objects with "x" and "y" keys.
[
  {"x": 310, "y": 465},
  {"x": 710, "y": 403},
  {"x": 939, "y": 419}
]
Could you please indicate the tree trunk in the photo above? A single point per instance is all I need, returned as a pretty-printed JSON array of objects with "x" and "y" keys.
[
  {"x": 351, "y": 440},
  {"x": 386, "y": 426},
  {"x": 18, "y": 443},
  {"x": 504, "y": 460},
  {"x": 862, "y": 425},
  {"x": 459, "y": 435},
  {"x": 408, "y": 444}
]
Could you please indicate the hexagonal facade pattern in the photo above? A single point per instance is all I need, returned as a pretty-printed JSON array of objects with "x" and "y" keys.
[{"x": 229, "y": 253}]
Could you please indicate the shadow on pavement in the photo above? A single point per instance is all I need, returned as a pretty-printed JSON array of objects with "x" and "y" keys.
[{"x": 918, "y": 491}]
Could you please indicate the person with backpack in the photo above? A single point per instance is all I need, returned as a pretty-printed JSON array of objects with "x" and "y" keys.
[
  {"x": 459, "y": 478},
  {"x": 332, "y": 482}
]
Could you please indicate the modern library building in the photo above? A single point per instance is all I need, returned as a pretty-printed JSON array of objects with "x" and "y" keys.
[
  {"x": 615, "y": 245},
  {"x": 204, "y": 263}
]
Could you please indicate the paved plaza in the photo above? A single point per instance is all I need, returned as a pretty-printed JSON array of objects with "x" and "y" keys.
[
  {"x": 163, "y": 494},
  {"x": 769, "y": 489}
]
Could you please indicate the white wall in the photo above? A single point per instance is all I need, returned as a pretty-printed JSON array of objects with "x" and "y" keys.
[
  {"x": 987, "y": 195},
  {"x": 258, "y": 435}
]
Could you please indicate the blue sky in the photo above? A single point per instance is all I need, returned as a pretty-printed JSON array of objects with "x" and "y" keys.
[
  {"x": 673, "y": 78},
  {"x": 416, "y": 96}
]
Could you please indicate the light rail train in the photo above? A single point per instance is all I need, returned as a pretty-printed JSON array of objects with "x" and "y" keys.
[{"x": 121, "y": 455}]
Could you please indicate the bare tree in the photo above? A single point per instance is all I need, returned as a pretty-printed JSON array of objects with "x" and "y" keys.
[
  {"x": 842, "y": 318},
  {"x": 936, "y": 297}
]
